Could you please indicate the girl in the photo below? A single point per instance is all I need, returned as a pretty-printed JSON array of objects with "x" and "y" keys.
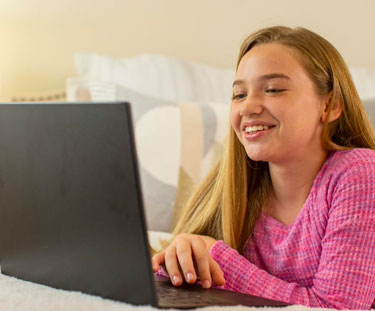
[{"x": 289, "y": 211}]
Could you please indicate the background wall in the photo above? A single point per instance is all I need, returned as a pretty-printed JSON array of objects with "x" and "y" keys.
[{"x": 40, "y": 37}]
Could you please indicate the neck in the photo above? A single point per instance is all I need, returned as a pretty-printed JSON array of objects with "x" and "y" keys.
[{"x": 292, "y": 182}]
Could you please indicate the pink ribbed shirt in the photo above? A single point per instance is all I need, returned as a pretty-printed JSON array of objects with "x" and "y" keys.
[{"x": 326, "y": 258}]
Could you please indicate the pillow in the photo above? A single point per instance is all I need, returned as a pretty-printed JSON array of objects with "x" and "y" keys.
[
  {"x": 172, "y": 79},
  {"x": 159, "y": 76},
  {"x": 156, "y": 238},
  {"x": 364, "y": 80},
  {"x": 369, "y": 105},
  {"x": 177, "y": 143}
]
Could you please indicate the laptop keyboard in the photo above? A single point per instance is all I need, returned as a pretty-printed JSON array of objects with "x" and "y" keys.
[
  {"x": 192, "y": 296},
  {"x": 189, "y": 294}
]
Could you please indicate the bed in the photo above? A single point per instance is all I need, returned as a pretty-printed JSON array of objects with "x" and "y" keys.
[{"x": 195, "y": 99}]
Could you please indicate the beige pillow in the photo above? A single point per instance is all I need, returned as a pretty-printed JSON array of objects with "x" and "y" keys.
[{"x": 177, "y": 144}]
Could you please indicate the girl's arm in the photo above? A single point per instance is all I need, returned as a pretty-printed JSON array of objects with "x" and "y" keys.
[{"x": 346, "y": 275}]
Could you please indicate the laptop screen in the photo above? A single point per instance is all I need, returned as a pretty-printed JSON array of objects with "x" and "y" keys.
[{"x": 71, "y": 213}]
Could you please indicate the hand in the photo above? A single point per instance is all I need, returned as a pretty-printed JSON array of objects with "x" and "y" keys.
[{"x": 181, "y": 255}]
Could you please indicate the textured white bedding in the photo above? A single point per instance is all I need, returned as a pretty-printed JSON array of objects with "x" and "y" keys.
[{"x": 17, "y": 295}]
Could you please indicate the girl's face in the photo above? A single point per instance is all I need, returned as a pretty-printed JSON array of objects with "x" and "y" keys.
[{"x": 276, "y": 111}]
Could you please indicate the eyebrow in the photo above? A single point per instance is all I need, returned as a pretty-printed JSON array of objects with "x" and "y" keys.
[{"x": 265, "y": 77}]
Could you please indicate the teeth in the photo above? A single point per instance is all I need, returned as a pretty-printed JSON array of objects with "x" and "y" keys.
[{"x": 255, "y": 128}]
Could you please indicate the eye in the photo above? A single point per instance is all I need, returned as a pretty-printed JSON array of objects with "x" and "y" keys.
[
  {"x": 238, "y": 96},
  {"x": 274, "y": 90}
]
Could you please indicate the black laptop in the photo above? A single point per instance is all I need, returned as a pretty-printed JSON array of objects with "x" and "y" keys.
[{"x": 71, "y": 211}]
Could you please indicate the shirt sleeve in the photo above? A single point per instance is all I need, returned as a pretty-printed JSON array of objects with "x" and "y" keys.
[{"x": 345, "y": 278}]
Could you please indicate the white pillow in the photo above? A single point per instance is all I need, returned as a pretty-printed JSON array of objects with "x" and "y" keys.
[
  {"x": 172, "y": 79},
  {"x": 159, "y": 76},
  {"x": 364, "y": 80},
  {"x": 369, "y": 105},
  {"x": 80, "y": 89}
]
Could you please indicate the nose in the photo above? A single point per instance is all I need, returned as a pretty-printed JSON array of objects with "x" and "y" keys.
[{"x": 251, "y": 105}]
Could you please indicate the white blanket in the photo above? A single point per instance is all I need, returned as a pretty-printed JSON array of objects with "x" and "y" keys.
[{"x": 19, "y": 295}]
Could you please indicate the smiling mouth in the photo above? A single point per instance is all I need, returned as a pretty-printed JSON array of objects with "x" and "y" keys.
[{"x": 257, "y": 128}]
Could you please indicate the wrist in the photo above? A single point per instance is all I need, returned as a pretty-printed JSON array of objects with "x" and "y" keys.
[{"x": 209, "y": 241}]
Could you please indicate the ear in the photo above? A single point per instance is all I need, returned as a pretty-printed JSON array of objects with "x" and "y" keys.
[{"x": 333, "y": 112}]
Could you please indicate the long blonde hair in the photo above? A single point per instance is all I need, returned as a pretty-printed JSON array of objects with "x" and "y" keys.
[{"x": 229, "y": 201}]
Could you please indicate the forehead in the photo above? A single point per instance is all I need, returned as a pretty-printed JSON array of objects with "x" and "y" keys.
[{"x": 268, "y": 58}]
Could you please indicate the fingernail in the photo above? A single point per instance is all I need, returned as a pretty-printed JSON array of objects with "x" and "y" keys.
[
  {"x": 175, "y": 280},
  {"x": 206, "y": 284},
  {"x": 189, "y": 276}
]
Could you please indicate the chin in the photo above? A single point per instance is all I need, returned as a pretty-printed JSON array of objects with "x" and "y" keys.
[
  {"x": 259, "y": 154},
  {"x": 257, "y": 157}
]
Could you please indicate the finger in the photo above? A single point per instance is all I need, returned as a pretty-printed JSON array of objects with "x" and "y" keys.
[
  {"x": 201, "y": 257},
  {"x": 157, "y": 260},
  {"x": 172, "y": 266},
  {"x": 185, "y": 260},
  {"x": 216, "y": 273}
]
